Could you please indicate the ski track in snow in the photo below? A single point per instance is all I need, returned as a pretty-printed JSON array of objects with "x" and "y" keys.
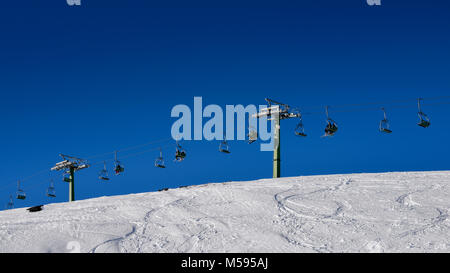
[{"x": 387, "y": 212}]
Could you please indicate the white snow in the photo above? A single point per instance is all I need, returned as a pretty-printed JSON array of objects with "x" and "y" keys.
[{"x": 386, "y": 212}]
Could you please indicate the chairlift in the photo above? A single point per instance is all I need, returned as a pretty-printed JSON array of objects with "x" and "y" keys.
[
  {"x": 384, "y": 124},
  {"x": 67, "y": 177},
  {"x": 10, "y": 204},
  {"x": 103, "y": 175},
  {"x": 20, "y": 193},
  {"x": 252, "y": 135},
  {"x": 223, "y": 146},
  {"x": 300, "y": 130},
  {"x": 51, "y": 192},
  {"x": 159, "y": 162},
  {"x": 424, "y": 119},
  {"x": 118, "y": 167},
  {"x": 180, "y": 153},
  {"x": 331, "y": 127}
]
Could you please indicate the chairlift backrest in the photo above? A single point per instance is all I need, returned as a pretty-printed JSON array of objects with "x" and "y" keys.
[
  {"x": 424, "y": 120},
  {"x": 384, "y": 124},
  {"x": 300, "y": 130},
  {"x": 331, "y": 127},
  {"x": 118, "y": 168},
  {"x": 252, "y": 135},
  {"x": 223, "y": 146},
  {"x": 180, "y": 153},
  {"x": 20, "y": 193},
  {"x": 51, "y": 190},
  {"x": 159, "y": 162},
  {"x": 10, "y": 204},
  {"x": 103, "y": 175}
]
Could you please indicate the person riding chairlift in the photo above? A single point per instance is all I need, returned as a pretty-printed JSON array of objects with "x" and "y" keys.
[
  {"x": 331, "y": 128},
  {"x": 180, "y": 155},
  {"x": 119, "y": 169}
]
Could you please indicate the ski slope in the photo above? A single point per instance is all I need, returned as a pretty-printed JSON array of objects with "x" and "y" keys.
[{"x": 386, "y": 212}]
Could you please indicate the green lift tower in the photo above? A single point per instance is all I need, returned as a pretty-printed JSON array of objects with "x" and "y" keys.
[
  {"x": 70, "y": 165},
  {"x": 276, "y": 112}
]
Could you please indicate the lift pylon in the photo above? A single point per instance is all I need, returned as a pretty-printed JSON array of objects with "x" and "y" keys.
[
  {"x": 70, "y": 165},
  {"x": 276, "y": 112}
]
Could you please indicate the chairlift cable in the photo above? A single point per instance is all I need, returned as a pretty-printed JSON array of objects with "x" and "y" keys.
[
  {"x": 129, "y": 148},
  {"x": 398, "y": 101},
  {"x": 374, "y": 108},
  {"x": 129, "y": 155}
]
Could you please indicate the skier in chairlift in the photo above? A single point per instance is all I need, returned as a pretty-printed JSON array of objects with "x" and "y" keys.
[{"x": 331, "y": 128}]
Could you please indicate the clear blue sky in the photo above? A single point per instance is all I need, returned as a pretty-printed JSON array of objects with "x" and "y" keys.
[{"x": 88, "y": 80}]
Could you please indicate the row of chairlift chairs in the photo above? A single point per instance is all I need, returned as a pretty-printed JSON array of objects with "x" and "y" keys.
[
  {"x": 21, "y": 195},
  {"x": 330, "y": 129},
  {"x": 384, "y": 127},
  {"x": 180, "y": 154}
]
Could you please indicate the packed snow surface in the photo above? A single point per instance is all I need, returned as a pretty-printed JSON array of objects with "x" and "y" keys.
[{"x": 388, "y": 212}]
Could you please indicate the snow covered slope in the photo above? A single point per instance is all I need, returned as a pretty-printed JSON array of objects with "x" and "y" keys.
[{"x": 388, "y": 212}]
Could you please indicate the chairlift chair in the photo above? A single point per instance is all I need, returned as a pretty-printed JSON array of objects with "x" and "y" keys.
[
  {"x": 10, "y": 204},
  {"x": 252, "y": 135},
  {"x": 331, "y": 127},
  {"x": 180, "y": 153},
  {"x": 51, "y": 192},
  {"x": 118, "y": 167},
  {"x": 20, "y": 193},
  {"x": 424, "y": 120},
  {"x": 159, "y": 162},
  {"x": 103, "y": 175},
  {"x": 66, "y": 177},
  {"x": 223, "y": 146},
  {"x": 384, "y": 124},
  {"x": 300, "y": 130}
]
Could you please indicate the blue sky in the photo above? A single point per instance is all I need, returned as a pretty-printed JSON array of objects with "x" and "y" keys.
[{"x": 104, "y": 76}]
